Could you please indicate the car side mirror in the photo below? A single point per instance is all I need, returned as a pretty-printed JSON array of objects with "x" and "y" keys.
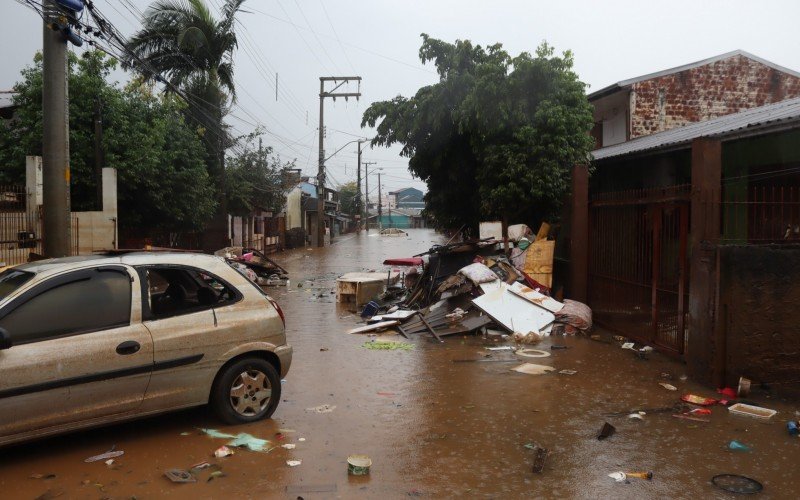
[{"x": 5, "y": 339}]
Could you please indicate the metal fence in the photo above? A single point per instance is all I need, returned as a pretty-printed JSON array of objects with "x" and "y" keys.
[
  {"x": 638, "y": 271},
  {"x": 761, "y": 214}
]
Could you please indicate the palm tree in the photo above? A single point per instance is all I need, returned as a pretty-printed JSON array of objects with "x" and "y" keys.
[{"x": 192, "y": 50}]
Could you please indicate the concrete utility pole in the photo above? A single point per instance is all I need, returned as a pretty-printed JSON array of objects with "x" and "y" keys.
[
  {"x": 56, "y": 230},
  {"x": 99, "y": 159},
  {"x": 380, "y": 203},
  {"x": 366, "y": 193},
  {"x": 341, "y": 80},
  {"x": 358, "y": 187}
]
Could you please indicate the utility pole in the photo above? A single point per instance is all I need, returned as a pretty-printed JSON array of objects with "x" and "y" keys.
[
  {"x": 380, "y": 203},
  {"x": 98, "y": 150},
  {"x": 358, "y": 187},
  {"x": 57, "y": 224},
  {"x": 366, "y": 193},
  {"x": 340, "y": 80}
]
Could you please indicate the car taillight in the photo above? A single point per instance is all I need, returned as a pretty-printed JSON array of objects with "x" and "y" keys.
[{"x": 280, "y": 311}]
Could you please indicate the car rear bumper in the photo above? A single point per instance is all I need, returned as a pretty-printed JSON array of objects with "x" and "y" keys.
[{"x": 284, "y": 354}]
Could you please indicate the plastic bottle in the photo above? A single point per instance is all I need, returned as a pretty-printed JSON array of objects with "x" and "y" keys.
[{"x": 793, "y": 427}]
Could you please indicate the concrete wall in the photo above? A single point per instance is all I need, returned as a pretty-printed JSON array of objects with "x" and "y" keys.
[
  {"x": 758, "y": 315},
  {"x": 98, "y": 230},
  {"x": 705, "y": 92}
]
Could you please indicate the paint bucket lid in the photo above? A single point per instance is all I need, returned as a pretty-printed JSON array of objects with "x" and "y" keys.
[{"x": 359, "y": 461}]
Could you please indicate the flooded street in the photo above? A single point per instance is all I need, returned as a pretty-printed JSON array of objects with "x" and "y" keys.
[{"x": 433, "y": 428}]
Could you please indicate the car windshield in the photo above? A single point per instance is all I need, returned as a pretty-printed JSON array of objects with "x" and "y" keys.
[{"x": 11, "y": 279}]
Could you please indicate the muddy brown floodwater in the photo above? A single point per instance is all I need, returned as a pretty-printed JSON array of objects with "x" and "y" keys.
[{"x": 433, "y": 428}]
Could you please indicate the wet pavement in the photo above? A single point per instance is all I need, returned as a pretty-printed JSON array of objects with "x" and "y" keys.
[{"x": 433, "y": 428}]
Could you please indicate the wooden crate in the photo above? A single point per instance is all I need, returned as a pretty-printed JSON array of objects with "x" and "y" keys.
[{"x": 359, "y": 288}]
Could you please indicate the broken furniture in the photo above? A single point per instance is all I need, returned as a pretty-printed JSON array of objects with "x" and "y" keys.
[{"x": 360, "y": 288}]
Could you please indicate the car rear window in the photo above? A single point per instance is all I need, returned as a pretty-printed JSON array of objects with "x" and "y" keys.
[{"x": 11, "y": 279}]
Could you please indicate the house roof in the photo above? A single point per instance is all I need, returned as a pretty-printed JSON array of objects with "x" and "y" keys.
[
  {"x": 626, "y": 83},
  {"x": 405, "y": 189},
  {"x": 754, "y": 121}
]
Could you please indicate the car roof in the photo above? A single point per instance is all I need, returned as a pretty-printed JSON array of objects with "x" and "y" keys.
[{"x": 130, "y": 258}]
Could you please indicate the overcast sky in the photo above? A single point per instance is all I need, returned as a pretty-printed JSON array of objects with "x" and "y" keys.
[{"x": 378, "y": 40}]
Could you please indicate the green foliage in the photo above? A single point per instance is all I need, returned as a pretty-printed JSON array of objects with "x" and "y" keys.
[
  {"x": 162, "y": 181},
  {"x": 495, "y": 137},
  {"x": 183, "y": 41},
  {"x": 254, "y": 179},
  {"x": 347, "y": 198}
]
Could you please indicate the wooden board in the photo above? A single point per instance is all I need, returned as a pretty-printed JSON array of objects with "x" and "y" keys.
[
  {"x": 539, "y": 262},
  {"x": 374, "y": 326}
]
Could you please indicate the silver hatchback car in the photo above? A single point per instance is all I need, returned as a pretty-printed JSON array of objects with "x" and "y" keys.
[{"x": 87, "y": 341}]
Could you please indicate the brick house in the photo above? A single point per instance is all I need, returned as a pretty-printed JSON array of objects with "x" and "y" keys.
[{"x": 699, "y": 91}]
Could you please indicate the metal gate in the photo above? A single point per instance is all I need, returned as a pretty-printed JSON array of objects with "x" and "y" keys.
[{"x": 638, "y": 266}]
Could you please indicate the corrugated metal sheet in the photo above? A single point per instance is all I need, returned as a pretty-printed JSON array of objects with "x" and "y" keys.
[{"x": 780, "y": 113}]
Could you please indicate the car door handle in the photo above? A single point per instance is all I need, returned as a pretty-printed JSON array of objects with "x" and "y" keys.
[{"x": 128, "y": 347}]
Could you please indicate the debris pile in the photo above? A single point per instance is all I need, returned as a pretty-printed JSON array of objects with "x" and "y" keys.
[
  {"x": 255, "y": 265},
  {"x": 465, "y": 287}
]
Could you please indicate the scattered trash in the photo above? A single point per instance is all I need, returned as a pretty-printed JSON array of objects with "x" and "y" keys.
[
  {"x": 640, "y": 475},
  {"x": 501, "y": 348},
  {"x": 539, "y": 457},
  {"x": 321, "y": 409},
  {"x": 792, "y": 427},
  {"x": 289, "y": 446},
  {"x": 324, "y": 349},
  {"x": 698, "y": 400},
  {"x": 42, "y": 476},
  {"x": 105, "y": 456},
  {"x": 358, "y": 465},
  {"x": 637, "y": 416},
  {"x": 606, "y": 431},
  {"x": 628, "y": 345},
  {"x": 216, "y": 434},
  {"x": 688, "y": 416},
  {"x": 738, "y": 446},
  {"x": 199, "y": 466},
  {"x": 701, "y": 411},
  {"x": 302, "y": 439},
  {"x": 646, "y": 348},
  {"x": 109, "y": 462},
  {"x": 223, "y": 451},
  {"x": 180, "y": 476},
  {"x": 744, "y": 387},
  {"x": 293, "y": 463},
  {"x": 736, "y": 483},
  {"x": 252, "y": 443},
  {"x": 727, "y": 392},
  {"x": 374, "y": 326},
  {"x": 185, "y": 433},
  {"x": 752, "y": 411},
  {"x": 558, "y": 346},
  {"x": 533, "y": 369},
  {"x": 619, "y": 477},
  {"x": 532, "y": 353},
  {"x": 387, "y": 345},
  {"x": 568, "y": 372},
  {"x": 667, "y": 386},
  {"x": 214, "y": 475},
  {"x": 386, "y": 393}
]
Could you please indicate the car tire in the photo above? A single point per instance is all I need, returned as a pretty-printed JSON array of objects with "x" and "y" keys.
[{"x": 238, "y": 395}]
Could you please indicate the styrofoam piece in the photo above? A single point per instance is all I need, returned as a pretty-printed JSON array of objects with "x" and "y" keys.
[
  {"x": 752, "y": 411},
  {"x": 536, "y": 298},
  {"x": 513, "y": 312}
]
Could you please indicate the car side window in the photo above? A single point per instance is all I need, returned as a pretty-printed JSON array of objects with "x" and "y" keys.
[
  {"x": 78, "y": 302},
  {"x": 172, "y": 291}
]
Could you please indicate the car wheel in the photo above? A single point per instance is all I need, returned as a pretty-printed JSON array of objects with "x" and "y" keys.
[{"x": 246, "y": 391}]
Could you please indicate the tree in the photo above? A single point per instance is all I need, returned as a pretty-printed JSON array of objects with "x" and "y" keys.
[
  {"x": 254, "y": 179},
  {"x": 496, "y": 136},
  {"x": 183, "y": 41},
  {"x": 162, "y": 180},
  {"x": 347, "y": 198}
]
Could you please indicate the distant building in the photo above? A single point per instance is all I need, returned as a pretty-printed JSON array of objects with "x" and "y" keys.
[
  {"x": 407, "y": 198},
  {"x": 695, "y": 92}
]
